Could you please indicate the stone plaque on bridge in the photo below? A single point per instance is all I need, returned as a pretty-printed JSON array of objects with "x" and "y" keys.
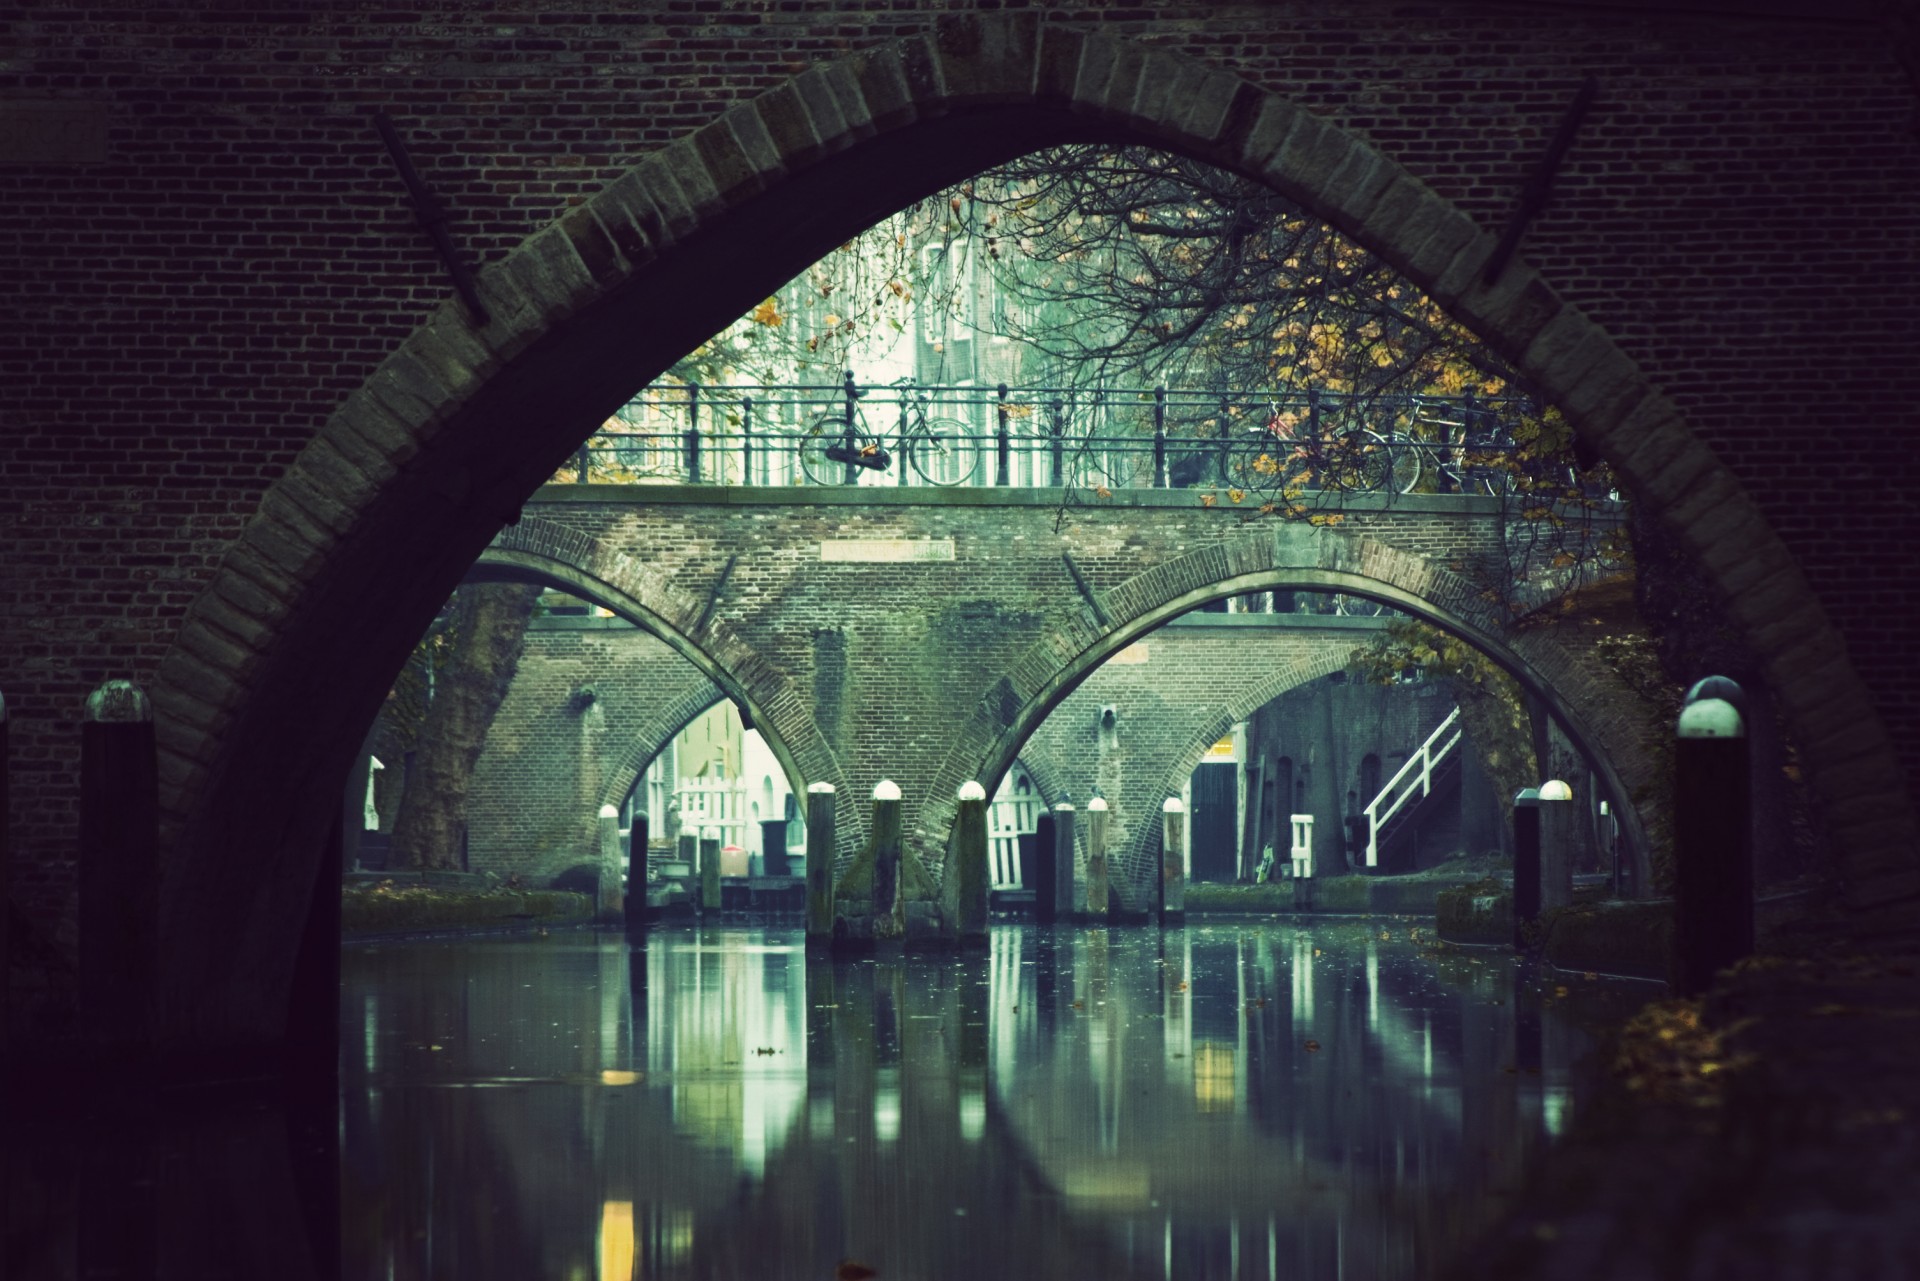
[
  {"x": 1132, "y": 656},
  {"x": 872, "y": 551},
  {"x": 53, "y": 131}
]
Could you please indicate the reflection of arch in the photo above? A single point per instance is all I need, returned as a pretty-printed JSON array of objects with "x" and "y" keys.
[{"x": 441, "y": 445}]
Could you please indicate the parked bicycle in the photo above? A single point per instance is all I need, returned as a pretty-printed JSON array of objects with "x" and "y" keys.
[
  {"x": 1287, "y": 452},
  {"x": 836, "y": 447}
]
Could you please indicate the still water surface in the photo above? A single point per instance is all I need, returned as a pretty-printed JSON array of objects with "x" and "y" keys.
[{"x": 1234, "y": 1101}]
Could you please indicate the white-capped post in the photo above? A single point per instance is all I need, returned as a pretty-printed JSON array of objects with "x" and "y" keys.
[
  {"x": 820, "y": 837},
  {"x": 1301, "y": 855},
  {"x": 1557, "y": 821},
  {"x": 611, "y": 900},
  {"x": 889, "y": 907},
  {"x": 970, "y": 865},
  {"x": 119, "y": 866},
  {"x": 1173, "y": 859},
  {"x": 1712, "y": 835},
  {"x": 1065, "y": 849},
  {"x": 1526, "y": 863},
  {"x": 1097, "y": 821}
]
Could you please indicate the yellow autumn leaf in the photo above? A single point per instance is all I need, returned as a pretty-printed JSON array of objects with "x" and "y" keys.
[{"x": 768, "y": 313}]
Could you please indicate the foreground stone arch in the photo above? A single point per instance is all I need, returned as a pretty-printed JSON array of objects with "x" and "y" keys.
[{"x": 445, "y": 440}]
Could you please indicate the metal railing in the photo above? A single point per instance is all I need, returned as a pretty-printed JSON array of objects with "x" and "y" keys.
[
  {"x": 1400, "y": 788},
  {"x": 846, "y": 433}
]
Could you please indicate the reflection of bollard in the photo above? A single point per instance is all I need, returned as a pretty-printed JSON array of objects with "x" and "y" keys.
[
  {"x": 1036, "y": 868},
  {"x": 1097, "y": 818},
  {"x": 1063, "y": 859},
  {"x": 889, "y": 911},
  {"x": 119, "y": 866},
  {"x": 1556, "y": 844},
  {"x": 709, "y": 869},
  {"x": 1526, "y": 863},
  {"x": 1712, "y": 835},
  {"x": 610, "y": 897},
  {"x": 636, "y": 900},
  {"x": 1301, "y": 853},
  {"x": 970, "y": 865},
  {"x": 1173, "y": 859},
  {"x": 819, "y": 862}
]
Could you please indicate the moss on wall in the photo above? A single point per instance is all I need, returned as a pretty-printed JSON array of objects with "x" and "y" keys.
[{"x": 387, "y": 908}]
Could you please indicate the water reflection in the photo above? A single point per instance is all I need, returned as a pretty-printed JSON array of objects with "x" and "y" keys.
[{"x": 1262, "y": 1101}]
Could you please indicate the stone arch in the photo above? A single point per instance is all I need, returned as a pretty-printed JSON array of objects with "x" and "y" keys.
[
  {"x": 1578, "y": 691},
  {"x": 549, "y": 552},
  {"x": 640, "y": 752},
  {"x": 1141, "y": 858},
  {"x": 440, "y": 446}
]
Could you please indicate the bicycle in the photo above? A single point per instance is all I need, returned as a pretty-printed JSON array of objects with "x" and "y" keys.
[
  {"x": 1278, "y": 455},
  {"x": 834, "y": 448}
]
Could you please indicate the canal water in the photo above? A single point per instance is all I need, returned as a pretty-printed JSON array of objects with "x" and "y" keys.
[{"x": 1262, "y": 1100}]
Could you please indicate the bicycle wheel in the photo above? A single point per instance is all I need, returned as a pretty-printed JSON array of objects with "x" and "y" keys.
[
  {"x": 944, "y": 451},
  {"x": 1385, "y": 464},
  {"x": 1356, "y": 606},
  {"x": 810, "y": 446}
]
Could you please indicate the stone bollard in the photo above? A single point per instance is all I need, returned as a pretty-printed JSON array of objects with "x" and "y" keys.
[
  {"x": 6, "y": 889},
  {"x": 819, "y": 862},
  {"x": 610, "y": 900},
  {"x": 636, "y": 898},
  {"x": 710, "y": 869},
  {"x": 1064, "y": 853},
  {"x": 1036, "y": 869},
  {"x": 1526, "y": 863},
  {"x": 970, "y": 866},
  {"x": 119, "y": 866},
  {"x": 889, "y": 905},
  {"x": 1712, "y": 835},
  {"x": 1301, "y": 856},
  {"x": 1557, "y": 836},
  {"x": 1173, "y": 859},
  {"x": 1097, "y": 820}
]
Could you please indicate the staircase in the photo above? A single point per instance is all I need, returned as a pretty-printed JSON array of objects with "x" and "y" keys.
[{"x": 1433, "y": 767}]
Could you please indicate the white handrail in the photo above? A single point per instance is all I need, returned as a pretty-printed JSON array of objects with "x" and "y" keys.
[{"x": 1426, "y": 758}]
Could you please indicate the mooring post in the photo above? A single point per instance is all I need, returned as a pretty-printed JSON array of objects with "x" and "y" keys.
[
  {"x": 1526, "y": 863},
  {"x": 1173, "y": 860},
  {"x": 970, "y": 865},
  {"x": 710, "y": 869},
  {"x": 119, "y": 867},
  {"x": 1712, "y": 835},
  {"x": 819, "y": 862},
  {"x": 1556, "y": 844},
  {"x": 1097, "y": 820},
  {"x": 1063, "y": 859},
  {"x": 1300, "y": 855},
  {"x": 635, "y": 904},
  {"x": 889, "y": 909},
  {"x": 6, "y": 888},
  {"x": 1036, "y": 868},
  {"x": 610, "y": 901}
]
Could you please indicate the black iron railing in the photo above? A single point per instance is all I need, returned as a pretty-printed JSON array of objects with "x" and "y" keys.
[{"x": 907, "y": 434}]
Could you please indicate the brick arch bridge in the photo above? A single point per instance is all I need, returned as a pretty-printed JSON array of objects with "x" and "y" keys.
[
  {"x": 925, "y": 635},
  {"x": 551, "y": 760},
  {"x": 447, "y": 437}
]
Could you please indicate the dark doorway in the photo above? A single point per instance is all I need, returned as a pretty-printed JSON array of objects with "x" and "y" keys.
[{"x": 1215, "y": 794}]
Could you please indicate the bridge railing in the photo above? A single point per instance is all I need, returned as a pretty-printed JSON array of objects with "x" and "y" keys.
[{"x": 903, "y": 433}]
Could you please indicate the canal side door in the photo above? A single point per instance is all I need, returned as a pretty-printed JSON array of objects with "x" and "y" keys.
[{"x": 1215, "y": 808}]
